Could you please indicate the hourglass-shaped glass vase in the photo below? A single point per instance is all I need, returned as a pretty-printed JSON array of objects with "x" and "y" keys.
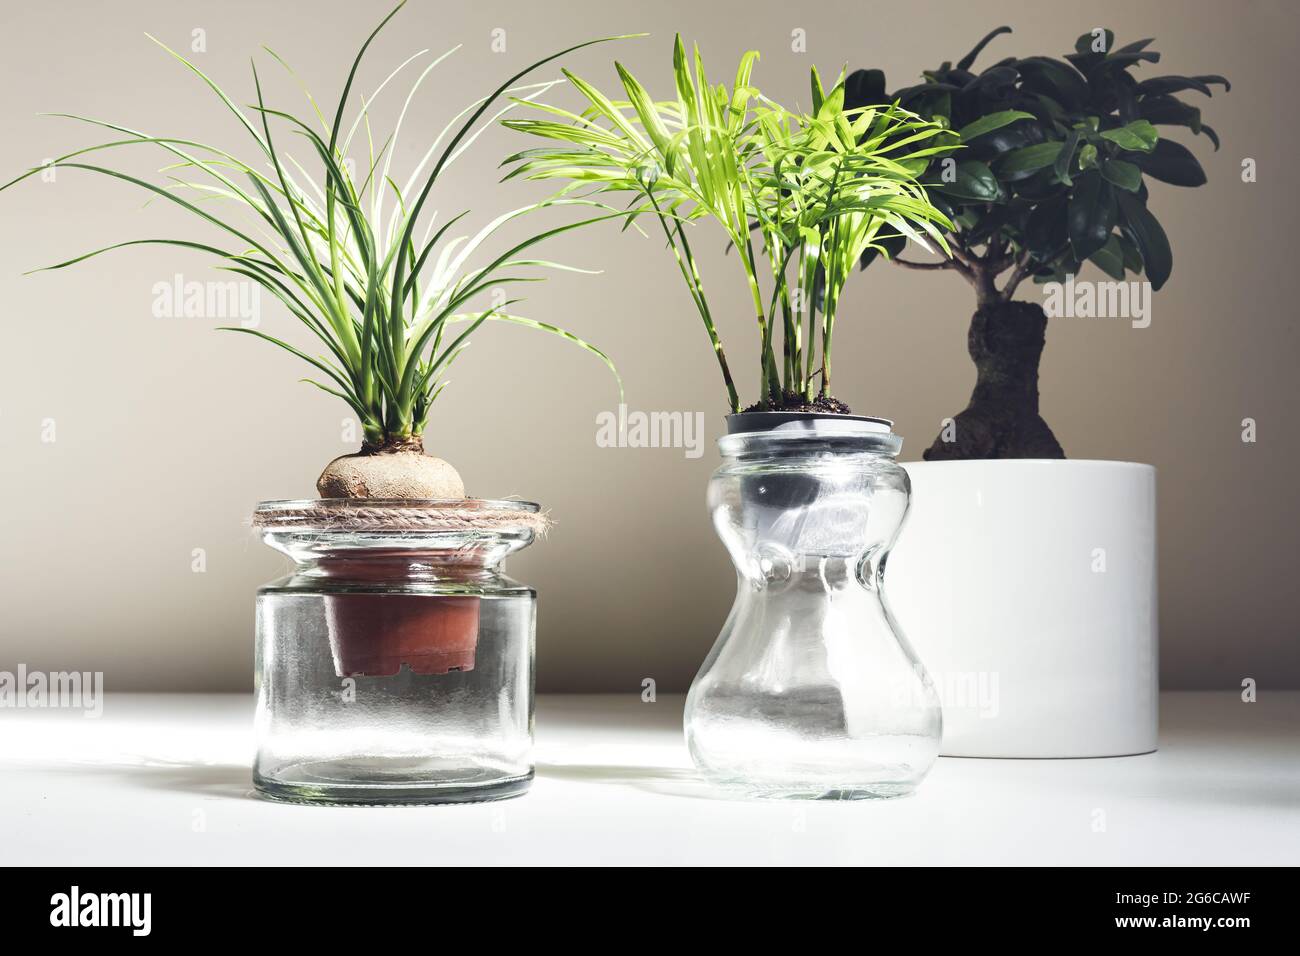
[{"x": 811, "y": 690}]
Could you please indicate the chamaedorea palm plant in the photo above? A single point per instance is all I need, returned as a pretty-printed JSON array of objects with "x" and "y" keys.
[
  {"x": 357, "y": 258},
  {"x": 799, "y": 196}
]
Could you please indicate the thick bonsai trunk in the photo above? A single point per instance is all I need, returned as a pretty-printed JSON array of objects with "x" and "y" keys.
[{"x": 1002, "y": 421}]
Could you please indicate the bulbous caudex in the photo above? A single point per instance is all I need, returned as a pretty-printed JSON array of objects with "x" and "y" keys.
[{"x": 397, "y": 468}]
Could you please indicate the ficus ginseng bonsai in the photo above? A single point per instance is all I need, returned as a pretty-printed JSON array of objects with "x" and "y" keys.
[
  {"x": 1052, "y": 176},
  {"x": 817, "y": 189},
  {"x": 392, "y": 310}
]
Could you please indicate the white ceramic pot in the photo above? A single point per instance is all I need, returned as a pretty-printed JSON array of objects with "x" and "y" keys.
[{"x": 1028, "y": 590}]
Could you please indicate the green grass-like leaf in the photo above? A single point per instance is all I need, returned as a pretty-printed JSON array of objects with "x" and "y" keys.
[{"x": 381, "y": 302}]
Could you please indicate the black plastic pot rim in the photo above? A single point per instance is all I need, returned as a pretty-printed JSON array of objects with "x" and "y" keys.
[{"x": 742, "y": 422}]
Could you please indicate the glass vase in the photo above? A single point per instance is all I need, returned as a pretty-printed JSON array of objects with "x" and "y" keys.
[
  {"x": 395, "y": 662},
  {"x": 811, "y": 690}
]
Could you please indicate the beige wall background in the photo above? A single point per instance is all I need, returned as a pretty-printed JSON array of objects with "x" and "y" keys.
[{"x": 167, "y": 433}]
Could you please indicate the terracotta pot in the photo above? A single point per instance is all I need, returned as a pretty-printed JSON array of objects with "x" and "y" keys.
[{"x": 373, "y": 635}]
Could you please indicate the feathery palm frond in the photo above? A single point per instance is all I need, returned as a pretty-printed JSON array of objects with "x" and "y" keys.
[{"x": 818, "y": 189}]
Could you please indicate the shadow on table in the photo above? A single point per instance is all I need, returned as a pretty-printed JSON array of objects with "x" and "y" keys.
[
  {"x": 233, "y": 781},
  {"x": 230, "y": 781},
  {"x": 667, "y": 781}
]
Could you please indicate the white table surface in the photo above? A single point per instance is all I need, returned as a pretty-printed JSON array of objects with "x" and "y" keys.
[{"x": 164, "y": 779}]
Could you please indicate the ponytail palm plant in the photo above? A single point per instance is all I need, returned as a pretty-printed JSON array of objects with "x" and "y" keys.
[
  {"x": 800, "y": 196},
  {"x": 357, "y": 257}
]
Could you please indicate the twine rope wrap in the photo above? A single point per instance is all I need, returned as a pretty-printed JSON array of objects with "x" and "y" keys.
[{"x": 327, "y": 515}]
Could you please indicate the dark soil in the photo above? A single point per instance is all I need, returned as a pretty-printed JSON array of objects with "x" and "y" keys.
[
  {"x": 394, "y": 445},
  {"x": 795, "y": 402}
]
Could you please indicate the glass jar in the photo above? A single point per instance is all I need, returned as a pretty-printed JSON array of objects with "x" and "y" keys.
[
  {"x": 811, "y": 690},
  {"x": 395, "y": 663}
]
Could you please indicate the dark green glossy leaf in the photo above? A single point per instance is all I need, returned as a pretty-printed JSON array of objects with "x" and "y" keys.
[
  {"x": 1023, "y": 162},
  {"x": 1146, "y": 233},
  {"x": 1058, "y": 269},
  {"x": 991, "y": 145},
  {"x": 1045, "y": 231},
  {"x": 1110, "y": 258},
  {"x": 988, "y": 226},
  {"x": 1061, "y": 165},
  {"x": 1126, "y": 176},
  {"x": 968, "y": 60},
  {"x": 1172, "y": 163},
  {"x": 1136, "y": 45},
  {"x": 1124, "y": 90},
  {"x": 1039, "y": 186},
  {"x": 1170, "y": 111},
  {"x": 1122, "y": 61},
  {"x": 990, "y": 90},
  {"x": 908, "y": 95},
  {"x": 1163, "y": 85},
  {"x": 1091, "y": 214},
  {"x": 865, "y": 88},
  {"x": 1139, "y": 136},
  {"x": 991, "y": 122},
  {"x": 1132, "y": 258},
  {"x": 945, "y": 205},
  {"x": 1054, "y": 78},
  {"x": 1086, "y": 42},
  {"x": 974, "y": 181}
]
